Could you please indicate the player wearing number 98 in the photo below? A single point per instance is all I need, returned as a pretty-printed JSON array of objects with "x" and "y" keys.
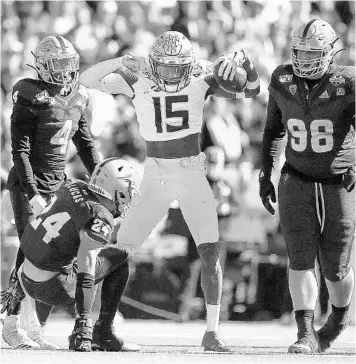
[
  {"x": 312, "y": 100},
  {"x": 168, "y": 93},
  {"x": 47, "y": 113}
]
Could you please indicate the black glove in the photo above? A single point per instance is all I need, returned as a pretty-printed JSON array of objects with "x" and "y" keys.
[
  {"x": 267, "y": 192},
  {"x": 349, "y": 179},
  {"x": 12, "y": 296}
]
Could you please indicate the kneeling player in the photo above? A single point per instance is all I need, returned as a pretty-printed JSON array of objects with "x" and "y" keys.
[{"x": 68, "y": 252}]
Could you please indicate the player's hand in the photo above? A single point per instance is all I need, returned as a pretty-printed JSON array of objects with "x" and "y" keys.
[
  {"x": 136, "y": 64},
  {"x": 247, "y": 64},
  {"x": 37, "y": 203},
  {"x": 229, "y": 64},
  {"x": 267, "y": 193},
  {"x": 13, "y": 295}
]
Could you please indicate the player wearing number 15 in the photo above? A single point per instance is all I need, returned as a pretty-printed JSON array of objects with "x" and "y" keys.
[
  {"x": 312, "y": 100},
  {"x": 47, "y": 113},
  {"x": 168, "y": 93}
]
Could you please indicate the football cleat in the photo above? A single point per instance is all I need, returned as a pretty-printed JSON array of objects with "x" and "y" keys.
[
  {"x": 212, "y": 342},
  {"x": 331, "y": 331},
  {"x": 81, "y": 337},
  {"x": 16, "y": 337},
  {"x": 104, "y": 339},
  {"x": 306, "y": 344},
  {"x": 36, "y": 334}
]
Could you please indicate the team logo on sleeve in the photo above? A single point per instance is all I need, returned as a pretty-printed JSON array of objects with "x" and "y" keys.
[
  {"x": 285, "y": 78},
  {"x": 340, "y": 91},
  {"x": 337, "y": 79},
  {"x": 293, "y": 89},
  {"x": 43, "y": 98}
]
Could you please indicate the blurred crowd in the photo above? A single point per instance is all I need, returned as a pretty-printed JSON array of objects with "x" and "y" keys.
[{"x": 100, "y": 30}]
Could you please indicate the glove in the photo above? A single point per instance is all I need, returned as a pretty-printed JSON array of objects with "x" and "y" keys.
[
  {"x": 267, "y": 193},
  {"x": 229, "y": 64},
  {"x": 247, "y": 64},
  {"x": 37, "y": 203},
  {"x": 12, "y": 296},
  {"x": 349, "y": 179},
  {"x": 137, "y": 64}
]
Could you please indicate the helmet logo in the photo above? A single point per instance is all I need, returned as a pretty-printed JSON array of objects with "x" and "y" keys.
[{"x": 170, "y": 44}]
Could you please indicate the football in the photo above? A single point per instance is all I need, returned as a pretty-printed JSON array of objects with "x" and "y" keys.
[{"x": 234, "y": 86}]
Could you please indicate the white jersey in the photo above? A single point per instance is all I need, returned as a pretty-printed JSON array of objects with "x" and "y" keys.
[{"x": 166, "y": 116}]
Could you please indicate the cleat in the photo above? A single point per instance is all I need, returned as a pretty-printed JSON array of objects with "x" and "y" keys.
[
  {"x": 211, "y": 342},
  {"x": 81, "y": 337},
  {"x": 16, "y": 337},
  {"x": 330, "y": 332},
  {"x": 37, "y": 336},
  {"x": 307, "y": 344},
  {"x": 104, "y": 339}
]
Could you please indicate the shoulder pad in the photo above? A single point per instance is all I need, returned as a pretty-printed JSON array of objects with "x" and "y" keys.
[
  {"x": 343, "y": 76},
  {"x": 26, "y": 91},
  {"x": 282, "y": 76},
  {"x": 83, "y": 91},
  {"x": 100, "y": 212}
]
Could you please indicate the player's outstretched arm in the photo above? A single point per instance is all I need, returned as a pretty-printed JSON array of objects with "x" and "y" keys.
[{"x": 103, "y": 76}]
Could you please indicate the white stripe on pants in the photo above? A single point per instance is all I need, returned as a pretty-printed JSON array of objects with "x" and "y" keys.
[{"x": 165, "y": 180}]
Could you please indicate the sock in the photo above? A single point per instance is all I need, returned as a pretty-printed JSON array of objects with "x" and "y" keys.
[
  {"x": 305, "y": 322},
  {"x": 212, "y": 317},
  {"x": 85, "y": 294},
  {"x": 111, "y": 292},
  {"x": 340, "y": 313}
]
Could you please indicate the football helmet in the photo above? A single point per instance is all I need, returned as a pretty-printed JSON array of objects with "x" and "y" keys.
[
  {"x": 56, "y": 61},
  {"x": 118, "y": 181},
  {"x": 172, "y": 60},
  {"x": 317, "y": 37}
]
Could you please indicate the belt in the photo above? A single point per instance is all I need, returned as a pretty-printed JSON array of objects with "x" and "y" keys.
[{"x": 335, "y": 180}]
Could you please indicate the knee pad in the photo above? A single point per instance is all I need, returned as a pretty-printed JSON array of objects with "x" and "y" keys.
[{"x": 209, "y": 253}]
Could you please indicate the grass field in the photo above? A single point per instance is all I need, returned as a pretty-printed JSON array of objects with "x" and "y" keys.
[{"x": 165, "y": 342}]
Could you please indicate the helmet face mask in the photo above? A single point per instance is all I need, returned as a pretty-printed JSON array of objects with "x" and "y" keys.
[
  {"x": 172, "y": 59},
  {"x": 57, "y": 62},
  {"x": 116, "y": 180},
  {"x": 312, "y": 48}
]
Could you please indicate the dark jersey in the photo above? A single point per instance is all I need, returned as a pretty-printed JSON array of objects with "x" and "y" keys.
[
  {"x": 42, "y": 124},
  {"x": 319, "y": 122},
  {"x": 51, "y": 241}
]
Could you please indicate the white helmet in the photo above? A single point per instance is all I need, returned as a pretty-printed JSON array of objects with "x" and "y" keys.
[
  {"x": 56, "y": 61},
  {"x": 316, "y": 36},
  {"x": 118, "y": 181},
  {"x": 172, "y": 59}
]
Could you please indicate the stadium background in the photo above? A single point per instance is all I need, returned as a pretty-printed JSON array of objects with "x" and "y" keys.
[{"x": 166, "y": 273}]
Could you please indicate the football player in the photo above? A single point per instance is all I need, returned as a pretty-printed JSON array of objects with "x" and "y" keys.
[
  {"x": 312, "y": 101},
  {"x": 168, "y": 92},
  {"x": 47, "y": 113},
  {"x": 68, "y": 252}
]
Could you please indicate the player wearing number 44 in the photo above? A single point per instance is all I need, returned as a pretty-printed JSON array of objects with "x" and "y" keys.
[
  {"x": 312, "y": 100},
  {"x": 168, "y": 93},
  {"x": 47, "y": 113}
]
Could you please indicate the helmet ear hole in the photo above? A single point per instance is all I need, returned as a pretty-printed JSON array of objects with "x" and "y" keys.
[{"x": 121, "y": 194}]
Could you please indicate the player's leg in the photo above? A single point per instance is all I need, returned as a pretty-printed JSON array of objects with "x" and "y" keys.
[
  {"x": 199, "y": 210},
  {"x": 148, "y": 211},
  {"x": 301, "y": 230},
  {"x": 335, "y": 253},
  {"x": 112, "y": 268}
]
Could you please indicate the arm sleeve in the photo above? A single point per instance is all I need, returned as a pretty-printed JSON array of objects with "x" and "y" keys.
[
  {"x": 273, "y": 135},
  {"x": 23, "y": 124},
  {"x": 85, "y": 145}
]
